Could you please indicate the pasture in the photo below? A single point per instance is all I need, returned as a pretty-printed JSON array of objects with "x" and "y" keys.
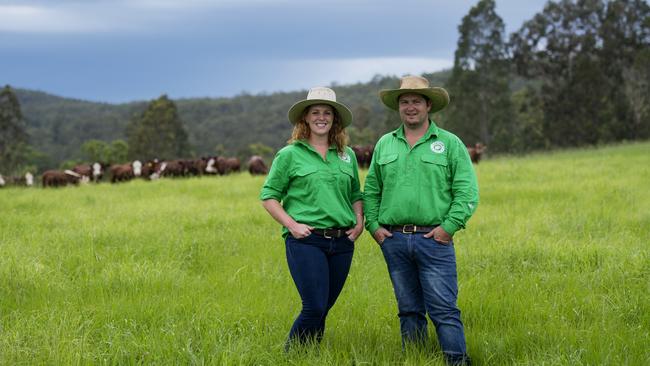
[{"x": 554, "y": 269}]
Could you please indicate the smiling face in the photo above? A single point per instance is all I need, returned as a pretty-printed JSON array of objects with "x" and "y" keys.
[
  {"x": 319, "y": 118},
  {"x": 414, "y": 110}
]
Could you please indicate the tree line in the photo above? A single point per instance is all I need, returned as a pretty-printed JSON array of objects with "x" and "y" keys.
[{"x": 575, "y": 74}]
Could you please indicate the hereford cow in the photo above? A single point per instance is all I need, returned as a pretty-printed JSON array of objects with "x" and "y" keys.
[
  {"x": 57, "y": 178},
  {"x": 2, "y": 181},
  {"x": 94, "y": 171},
  {"x": 256, "y": 166},
  {"x": 204, "y": 165},
  {"x": 126, "y": 172},
  {"x": 173, "y": 168},
  {"x": 26, "y": 180},
  {"x": 363, "y": 154}
]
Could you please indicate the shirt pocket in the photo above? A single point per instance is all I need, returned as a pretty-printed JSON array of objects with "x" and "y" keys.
[
  {"x": 345, "y": 177},
  {"x": 388, "y": 166},
  {"x": 304, "y": 177},
  {"x": 438, "y": 165}
]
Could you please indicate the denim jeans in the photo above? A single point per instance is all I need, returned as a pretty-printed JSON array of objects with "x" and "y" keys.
[
  {"x": 319, "y": 267},
  {"x": 423, "y": 273}
]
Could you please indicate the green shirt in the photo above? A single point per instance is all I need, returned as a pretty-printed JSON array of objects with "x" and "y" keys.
[
  {"x": 314, "y": 191},
  {"x": 432, "y": 183}
]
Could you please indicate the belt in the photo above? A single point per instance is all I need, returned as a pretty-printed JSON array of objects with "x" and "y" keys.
[
  {"x": 336, "y": 232},
  {"x": 410, "y": 229}
]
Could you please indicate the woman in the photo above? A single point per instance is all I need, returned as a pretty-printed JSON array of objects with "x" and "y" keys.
[{"x": 313, "y": 191}]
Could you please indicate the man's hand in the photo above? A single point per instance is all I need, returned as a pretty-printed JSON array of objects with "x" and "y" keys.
[
  {"x": 439, "y": 234},
  {"x": 381, "y": 234},
  {"x": 355, "y": 232},
  {"x": 300, "y": 231}
]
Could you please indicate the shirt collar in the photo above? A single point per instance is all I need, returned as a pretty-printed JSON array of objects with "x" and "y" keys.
[
  {"x": 306, "y": 144},
  {"x": 431, "y": 131}
]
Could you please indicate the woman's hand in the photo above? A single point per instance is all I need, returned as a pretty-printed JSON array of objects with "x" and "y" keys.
[
  {"x": 355, "y": 232},
  {"x": 299, "y": 230}
]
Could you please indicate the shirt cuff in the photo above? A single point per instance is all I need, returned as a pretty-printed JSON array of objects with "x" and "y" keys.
[
  {"x": 450, "y": 227},
  {"x": 372, "y": 227},
  {"x": 268, "y": 193}
]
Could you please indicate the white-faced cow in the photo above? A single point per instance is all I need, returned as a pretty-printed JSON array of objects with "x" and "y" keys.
[
  {"x": 94, "y": 171},
  {"x": 26, "y": 180},
  {"x": 126, "y": 172}
]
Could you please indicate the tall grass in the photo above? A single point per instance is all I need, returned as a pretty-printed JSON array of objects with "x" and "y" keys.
[{"x": 554, "y": 269}]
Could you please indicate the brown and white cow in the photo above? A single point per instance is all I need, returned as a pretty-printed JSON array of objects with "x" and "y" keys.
[
  {"x": 57, "y": 178},
  {"x": 94, "y": 171},
  {"x": 25, "y": 180},
  {"x": 126, "y": 172}
]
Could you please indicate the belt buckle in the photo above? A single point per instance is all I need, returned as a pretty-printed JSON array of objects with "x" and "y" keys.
[
  {"x": 406, "y": 231},
  {"x": 325, "y": 234}
]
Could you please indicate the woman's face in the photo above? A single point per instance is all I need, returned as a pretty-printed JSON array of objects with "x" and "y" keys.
[{"x": 319, "y": 118}]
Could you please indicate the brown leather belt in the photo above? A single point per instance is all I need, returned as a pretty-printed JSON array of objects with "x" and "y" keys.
[
  {"x": 410, "y": 229},
  {"x": 336, "y": 232}
]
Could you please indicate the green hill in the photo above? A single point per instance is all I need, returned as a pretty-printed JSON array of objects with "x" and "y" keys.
[{"x": 58, "y": 126}]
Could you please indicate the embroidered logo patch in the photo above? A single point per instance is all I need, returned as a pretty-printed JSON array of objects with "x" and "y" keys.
[
  {"x": 345, "y": 157},
  {"x": 438, "y": 147}
]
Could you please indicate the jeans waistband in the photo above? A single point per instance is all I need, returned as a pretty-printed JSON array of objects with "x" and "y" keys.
[
  {"x": 335, "y": 232},
  {"x": 410, "y": 228}
]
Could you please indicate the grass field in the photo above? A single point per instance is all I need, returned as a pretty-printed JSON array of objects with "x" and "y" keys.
[{"x": 554, "y": 269}]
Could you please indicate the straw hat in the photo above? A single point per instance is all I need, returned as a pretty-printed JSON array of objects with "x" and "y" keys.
[
  {"x": 320, "y": 95},
  {"x": 419, "y": 85}
]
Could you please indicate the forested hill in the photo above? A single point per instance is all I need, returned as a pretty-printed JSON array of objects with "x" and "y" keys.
[{"x": 58, "y": 126}]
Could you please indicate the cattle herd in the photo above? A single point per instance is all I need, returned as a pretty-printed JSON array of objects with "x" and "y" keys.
[
  {"x": 156, "y": 169},
  {"x": 148, "y": 170}
]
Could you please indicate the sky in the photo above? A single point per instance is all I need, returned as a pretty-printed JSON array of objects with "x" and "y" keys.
[{"x": 125, "y": 50}]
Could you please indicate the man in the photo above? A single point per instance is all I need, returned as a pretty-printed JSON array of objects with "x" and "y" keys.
[{"x": 421, "y": 189}]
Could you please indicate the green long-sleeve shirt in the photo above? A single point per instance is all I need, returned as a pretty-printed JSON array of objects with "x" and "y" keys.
[
  {"x": 433, "y": 183},
  {"x": 314, "y": 191}
]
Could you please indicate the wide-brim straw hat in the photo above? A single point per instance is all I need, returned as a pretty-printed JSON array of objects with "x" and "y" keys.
[
  {"x": 415, "y": 84},
  {"x": 320, "y": 95}
]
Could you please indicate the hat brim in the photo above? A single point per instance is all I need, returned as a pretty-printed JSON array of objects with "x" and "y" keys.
[
  {"x": 438, "y": 96},
  {"x": 295, "y": 112}
]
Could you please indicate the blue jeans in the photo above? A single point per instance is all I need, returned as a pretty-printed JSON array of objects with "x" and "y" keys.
[
  {"x": 423, "y": 273},
  {"x": 319, "y": 267}
]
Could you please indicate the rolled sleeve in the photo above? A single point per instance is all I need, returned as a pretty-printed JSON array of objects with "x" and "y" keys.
[{"x": 276, "y": 183}]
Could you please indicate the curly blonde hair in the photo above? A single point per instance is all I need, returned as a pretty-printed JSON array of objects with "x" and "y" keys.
[{"x": 337, "y": 134}]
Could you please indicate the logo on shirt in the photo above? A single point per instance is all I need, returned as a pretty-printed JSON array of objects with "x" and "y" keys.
[
  {"x": 345, "y": 157},
  {"x": 438, "y": 147}
]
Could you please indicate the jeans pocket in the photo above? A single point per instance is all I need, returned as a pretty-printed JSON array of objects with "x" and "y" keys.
[{"x": 450, "y": 243}]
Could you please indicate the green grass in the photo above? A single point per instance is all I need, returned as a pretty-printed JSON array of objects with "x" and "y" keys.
[{"x": 554, "y": 269}]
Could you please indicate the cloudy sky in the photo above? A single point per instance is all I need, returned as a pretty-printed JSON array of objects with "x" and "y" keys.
[{"x": 123, "y": 50}]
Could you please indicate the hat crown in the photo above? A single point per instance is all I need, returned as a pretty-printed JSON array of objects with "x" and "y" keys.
[
  {"x": 414, "y": 82},
  {"x": 321, "y": 92}
]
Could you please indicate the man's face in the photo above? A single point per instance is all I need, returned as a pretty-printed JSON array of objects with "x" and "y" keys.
[{"x": 414, "y": 110}]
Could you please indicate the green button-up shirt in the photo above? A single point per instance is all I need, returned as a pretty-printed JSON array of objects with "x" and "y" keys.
[
  {"x": 314, "y": 191},
  {"x": 432, "y": 183}
]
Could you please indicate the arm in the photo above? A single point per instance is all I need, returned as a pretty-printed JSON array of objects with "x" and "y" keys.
[
  {"x": 276, "y": 211},
  {"x": 372, "y": 200},
  {"x": 464, "y": 188},
  {"x": 356, "y": 231}
]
